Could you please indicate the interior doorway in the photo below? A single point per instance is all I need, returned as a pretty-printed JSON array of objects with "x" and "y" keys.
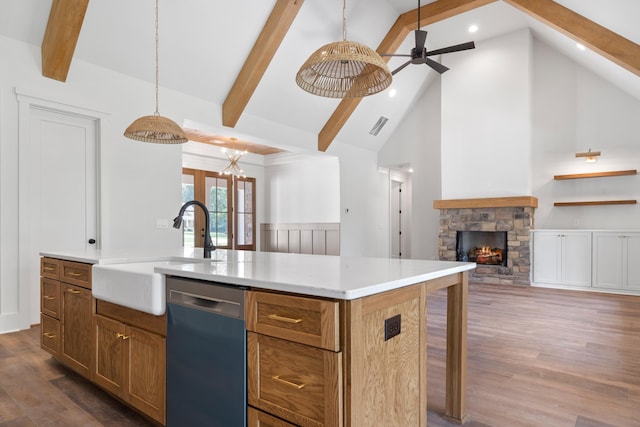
[{"x": 400, "y": 215}]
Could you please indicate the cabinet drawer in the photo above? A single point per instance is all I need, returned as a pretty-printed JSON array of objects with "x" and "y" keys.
[
  {"x": 50, "y": 297},
  {"x": 256, "y": 418},
  {"x": 311, "y": 321},
  {"x": 50, "y": 334},
  {"x": 296, "y": 382},
  {"x": 76, "y": 273},
  {"x": 50, "y": 267}
]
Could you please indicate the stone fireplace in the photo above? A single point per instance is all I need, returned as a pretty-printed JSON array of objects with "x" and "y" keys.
[{"x": 510, "y": 216}]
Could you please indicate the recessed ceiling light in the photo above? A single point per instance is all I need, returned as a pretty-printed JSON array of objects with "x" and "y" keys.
[
  {"x": 473, "y": 28},
  {"x": 392, "y": 93},
  {"x": 581, "y": 47}
]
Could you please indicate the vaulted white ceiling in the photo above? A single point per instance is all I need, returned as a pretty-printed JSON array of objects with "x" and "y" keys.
[{"x": 204, "y": 44}]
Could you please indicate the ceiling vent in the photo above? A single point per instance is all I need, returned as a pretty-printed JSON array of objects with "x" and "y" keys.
[{"x": 375, "y": 130}]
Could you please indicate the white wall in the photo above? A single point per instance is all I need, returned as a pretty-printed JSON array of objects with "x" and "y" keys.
[
  {"x": 364, "y": 192},
  {"x": 417, "y": 142},
  {"x": 302, "y": 189},
  {"x": 486, "y": 126},
  {"x": 574, "y": 110}
]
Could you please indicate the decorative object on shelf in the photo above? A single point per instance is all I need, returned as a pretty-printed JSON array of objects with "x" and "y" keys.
[
  {"x": 590, "y": 155},
  {"x": 156, "y": 128},
  {"x": 344, "y": 69},
  {"x": 234, "y": 156}
]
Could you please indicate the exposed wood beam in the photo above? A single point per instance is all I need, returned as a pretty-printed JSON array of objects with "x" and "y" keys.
[
  {"x": 612, "y": 46},
  {"x": 430, "y": 13},
  {"x": 282, "y": 16},
  {"x": 61, "y": 37}
]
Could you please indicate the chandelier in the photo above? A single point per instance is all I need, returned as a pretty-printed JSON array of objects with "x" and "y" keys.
[{"x": 234, "y": 156}]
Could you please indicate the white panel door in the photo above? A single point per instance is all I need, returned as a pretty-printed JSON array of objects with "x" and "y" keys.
[{"x": 58, "y": 191}]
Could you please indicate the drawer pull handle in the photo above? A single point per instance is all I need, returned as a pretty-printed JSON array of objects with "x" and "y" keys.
[
  {"x": 49, "y": 335},
  {"x": 73, "y": 291},
  {"x": 122, "y": 336},
  {"x": 49, "y": 268},
  {"x": 284, "y": 319},
  {"x": 49, "y": 297},
  {"x": 289, "y": 383},
  {"x": 73, "y": 274}
]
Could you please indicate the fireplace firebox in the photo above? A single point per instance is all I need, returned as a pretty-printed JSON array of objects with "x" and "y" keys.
[{"x": 482, "y": 247}]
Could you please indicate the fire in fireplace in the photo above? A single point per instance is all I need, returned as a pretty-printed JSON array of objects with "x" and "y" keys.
[{"x": 482, "y": 247}]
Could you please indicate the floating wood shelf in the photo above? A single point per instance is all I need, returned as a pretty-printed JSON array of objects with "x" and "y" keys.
[
  {"x": 596, "y": 174},
  {"x": 597, "y": 202}
]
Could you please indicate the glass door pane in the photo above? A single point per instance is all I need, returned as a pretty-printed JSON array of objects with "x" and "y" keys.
[
  {"x": 188, "y": 220},
  {"x": 245, "y": 213},
  {"x": 218, "y": 200}
]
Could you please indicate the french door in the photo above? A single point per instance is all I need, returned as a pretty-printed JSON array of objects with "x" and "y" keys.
[{"x": 231, "y": 204}]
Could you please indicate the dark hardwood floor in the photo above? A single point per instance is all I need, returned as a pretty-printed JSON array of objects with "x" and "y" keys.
[{"x": 536, "y": 357}]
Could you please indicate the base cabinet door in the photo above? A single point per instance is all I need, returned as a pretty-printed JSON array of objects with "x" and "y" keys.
[
  {"x": 631, "y": 272},
  {"x": 562, "y": 258},
  {"x": 77, "y": 312},
  {"x": 130, "y": 363},
  {"x": 147, "y": 372},
  {"x": 111, "y": 355},
  {"x": 616, "y": 257}
]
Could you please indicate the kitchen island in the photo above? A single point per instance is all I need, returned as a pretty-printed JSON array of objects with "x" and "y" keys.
[{"x": 370, "y": 340}]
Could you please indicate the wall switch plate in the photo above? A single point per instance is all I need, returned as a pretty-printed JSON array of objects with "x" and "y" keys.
[{"x": 392, "y": 327}]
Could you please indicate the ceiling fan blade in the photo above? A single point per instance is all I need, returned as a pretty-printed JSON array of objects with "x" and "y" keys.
[
  {"x": 421, "y": 38},
  {"x": 400, "y": 67},
  {"x": 456, "y": 48},
  {"x": 395, "y": 54},
  {"x": 436, "y": 66}
]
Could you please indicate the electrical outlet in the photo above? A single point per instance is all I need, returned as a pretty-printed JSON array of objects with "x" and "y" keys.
[{"x": 392, "y": 327}]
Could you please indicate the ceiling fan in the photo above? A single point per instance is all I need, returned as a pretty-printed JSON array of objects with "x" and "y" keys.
[{"x": 420, "y": 54}]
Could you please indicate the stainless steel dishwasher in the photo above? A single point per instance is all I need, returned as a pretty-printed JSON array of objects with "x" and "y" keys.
[{"x": 206, "y": 354}]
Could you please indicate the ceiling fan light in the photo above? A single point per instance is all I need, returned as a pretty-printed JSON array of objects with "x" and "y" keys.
[
  {"x": 344, "y": 69},
  {"x": 156, "y": 129}
]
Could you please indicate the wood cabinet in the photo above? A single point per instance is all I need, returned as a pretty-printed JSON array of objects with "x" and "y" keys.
[
  {"x": 66, "y": 307},
  {"x": 562, "y": 258},
  {"x": 320, "y": 362},
  {"x": 131, "y": 357},
  {"x": 294, "y": 363},
  {"x": 616, "y": 256},
  {"x": 77, "y": 342}
]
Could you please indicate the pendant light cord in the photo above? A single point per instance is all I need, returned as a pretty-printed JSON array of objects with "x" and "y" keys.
[
  {"x": 344, "y": 20},
  {"x": 156, "y": 113}
]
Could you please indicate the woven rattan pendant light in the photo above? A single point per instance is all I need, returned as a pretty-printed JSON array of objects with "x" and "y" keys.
[
  {"x": 156, "y": 129},
  {"x": 344, "y": 69}
]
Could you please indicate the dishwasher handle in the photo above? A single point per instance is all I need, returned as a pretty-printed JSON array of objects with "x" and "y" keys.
[{"x": 206, "y": 303}]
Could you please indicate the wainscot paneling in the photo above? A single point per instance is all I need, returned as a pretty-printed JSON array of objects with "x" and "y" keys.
[{"x": 307, "y": 238}]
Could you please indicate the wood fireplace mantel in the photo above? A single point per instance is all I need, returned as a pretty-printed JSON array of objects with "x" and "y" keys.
[{"x": 490, "y": 202}]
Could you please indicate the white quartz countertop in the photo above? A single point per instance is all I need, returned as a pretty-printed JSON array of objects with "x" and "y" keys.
[{"x": 340, "y": 277}]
